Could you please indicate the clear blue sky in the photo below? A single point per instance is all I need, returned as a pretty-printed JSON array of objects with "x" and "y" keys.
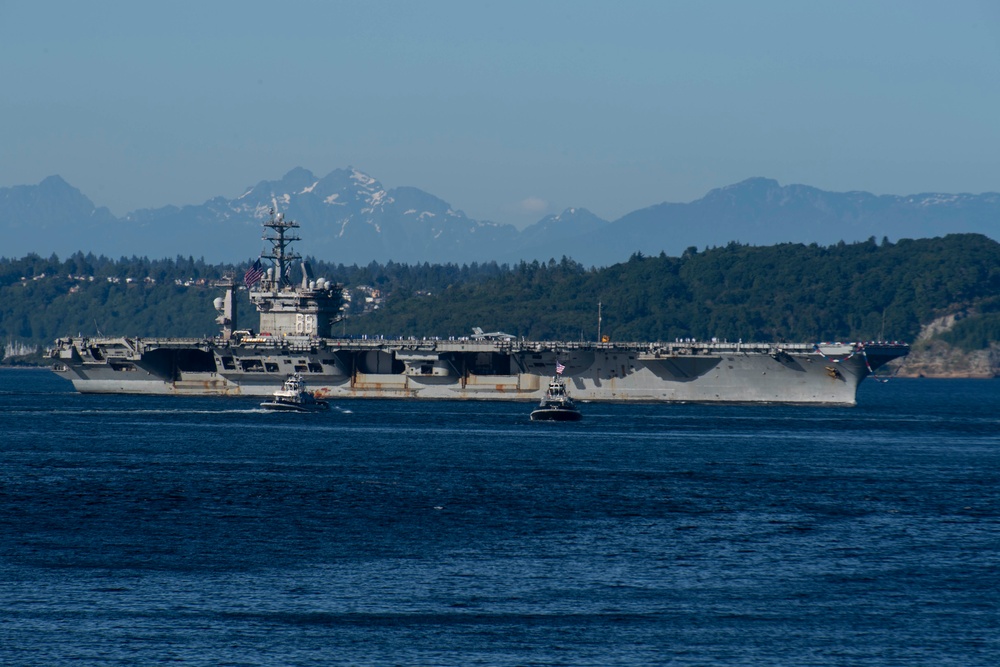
[{"x": 507, "y": 110}]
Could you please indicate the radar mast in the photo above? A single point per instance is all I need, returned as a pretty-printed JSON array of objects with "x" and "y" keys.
[{"x": 278, "y": 232}]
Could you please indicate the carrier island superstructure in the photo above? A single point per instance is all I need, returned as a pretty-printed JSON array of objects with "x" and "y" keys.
[{"x": 295, "y": 335}]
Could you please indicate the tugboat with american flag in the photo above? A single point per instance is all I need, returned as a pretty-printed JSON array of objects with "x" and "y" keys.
[
  {"x": 293, "y": 397},
  {"x": 556, "y": 405}
]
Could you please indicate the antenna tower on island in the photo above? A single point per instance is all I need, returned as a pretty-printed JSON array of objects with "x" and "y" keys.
[{"x": 280, "y": 238}]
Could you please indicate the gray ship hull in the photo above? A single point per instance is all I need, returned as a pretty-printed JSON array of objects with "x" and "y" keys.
[
  {"x": 823, "y": 374},
  {"x": 296, "y": 320}
]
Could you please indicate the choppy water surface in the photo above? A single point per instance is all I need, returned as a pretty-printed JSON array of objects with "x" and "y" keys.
[{"x": 204, "y": 531}]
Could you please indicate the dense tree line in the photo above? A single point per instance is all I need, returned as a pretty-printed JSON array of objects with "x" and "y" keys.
[
  {"x": 44, "y": 298},
  {"x": 859, "y": 291},
  {"x": 786, "y": 292}
]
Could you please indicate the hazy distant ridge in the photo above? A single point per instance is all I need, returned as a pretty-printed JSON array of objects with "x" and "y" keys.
[{"x": 349, "y": 216}]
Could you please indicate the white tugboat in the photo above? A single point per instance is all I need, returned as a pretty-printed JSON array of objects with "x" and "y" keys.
[
  {"x": 293, "y": 397},
  {"x": 556, "y": 405}
]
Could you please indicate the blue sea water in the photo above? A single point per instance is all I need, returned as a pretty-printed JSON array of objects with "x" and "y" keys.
[{"x": 203, "y": 531}]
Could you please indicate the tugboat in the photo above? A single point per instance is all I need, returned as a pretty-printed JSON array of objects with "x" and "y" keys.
[
  {"x": 293, "y": 397},
  {"x": 556, "y": 406}
]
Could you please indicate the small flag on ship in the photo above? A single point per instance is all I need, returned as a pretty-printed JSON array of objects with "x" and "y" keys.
[
  {"x": 253, "y": 274},
  {"x": 559, "y": 368}
]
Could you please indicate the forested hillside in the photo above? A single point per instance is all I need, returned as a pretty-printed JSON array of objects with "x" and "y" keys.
[
  {"x": 44, "y": 298},
  {"x": 792, "y": 292},
  {"x": 786, "y": 292}
]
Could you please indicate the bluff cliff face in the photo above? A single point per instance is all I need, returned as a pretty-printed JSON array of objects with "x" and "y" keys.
[{"x": 935, "y": 358}]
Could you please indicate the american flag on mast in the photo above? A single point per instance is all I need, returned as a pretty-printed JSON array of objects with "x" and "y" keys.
[
  {"x": 559, "y": 368},
  {"x": 253, "y": 274}
]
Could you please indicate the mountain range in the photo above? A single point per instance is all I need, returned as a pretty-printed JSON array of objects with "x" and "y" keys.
[{"x": 350, "y": 217}]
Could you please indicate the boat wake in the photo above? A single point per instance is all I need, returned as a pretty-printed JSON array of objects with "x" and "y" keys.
[{"x": 142, "y": 411}]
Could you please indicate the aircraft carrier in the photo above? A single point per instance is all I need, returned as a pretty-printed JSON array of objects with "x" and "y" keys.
[{"x": 295, "y": 336}]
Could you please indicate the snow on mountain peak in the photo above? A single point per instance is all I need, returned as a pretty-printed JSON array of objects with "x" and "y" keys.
[{"x": 362, "y": 178}]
